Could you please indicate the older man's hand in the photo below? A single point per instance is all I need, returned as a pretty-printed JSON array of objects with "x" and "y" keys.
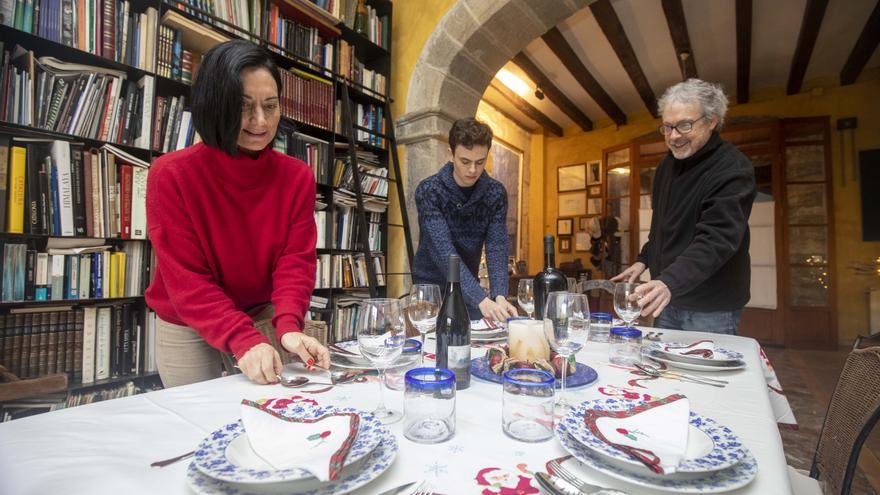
[{"x": 653, "y": 296}]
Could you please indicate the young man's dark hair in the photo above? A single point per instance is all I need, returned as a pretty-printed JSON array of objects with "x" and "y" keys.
[
  {"x": 217, "y": 93},
  {"x": 469, "y": 133}
]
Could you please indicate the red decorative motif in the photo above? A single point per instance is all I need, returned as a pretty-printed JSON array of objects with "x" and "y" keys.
[
  {"x": 614, "y": 391},
  {"x": 283, "y": 402},
  {"x": 497, "y": 481}
]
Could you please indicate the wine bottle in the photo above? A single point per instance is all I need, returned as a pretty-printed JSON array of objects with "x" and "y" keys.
[
  {"x": 549, "y": 280},
  {"x": 454, "y": 329}
]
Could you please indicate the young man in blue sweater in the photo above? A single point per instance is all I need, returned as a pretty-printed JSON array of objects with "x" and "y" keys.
[{"x": 461, "y": 209}]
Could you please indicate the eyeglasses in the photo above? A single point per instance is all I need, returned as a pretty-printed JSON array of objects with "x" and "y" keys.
[{"x": 682, "y": 127}]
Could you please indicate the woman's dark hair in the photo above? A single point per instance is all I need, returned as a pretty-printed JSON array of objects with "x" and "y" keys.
[
  {"x": 468, "y": 133},
  {"x": 217, "y": 93}
]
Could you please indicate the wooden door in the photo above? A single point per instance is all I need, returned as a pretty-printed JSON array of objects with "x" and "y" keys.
[{"x": 808, "y": 232}]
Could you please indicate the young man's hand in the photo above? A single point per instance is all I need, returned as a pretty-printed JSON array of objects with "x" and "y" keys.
[
  {"x": 497, "y": 310},
  {"x": 631, "y": 274}
]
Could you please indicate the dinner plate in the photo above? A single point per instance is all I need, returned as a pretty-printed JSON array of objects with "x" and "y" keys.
[
  {"x": 226, "y": 453},
  {"x": 655, "y": 351},
  {"x": 710, "y": 447},
  {"x": 352, "y": 476},
  {"x": 725, "y": 480},
  {"x": 583, "y": 375}
]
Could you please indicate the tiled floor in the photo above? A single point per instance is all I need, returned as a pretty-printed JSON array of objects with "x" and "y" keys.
[{"x": 808, "y": 378}]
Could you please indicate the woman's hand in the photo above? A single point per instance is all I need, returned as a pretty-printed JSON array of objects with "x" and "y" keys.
[
  {"x": 261, "y": 364},
  {"x": 307, "y": 348}
]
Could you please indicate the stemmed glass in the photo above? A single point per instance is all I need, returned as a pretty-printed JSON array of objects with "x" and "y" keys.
[
  {"x": 625, "y": 303},
  {"x": 526, "y": 296},
  {"x": 423, "y": 307},
  {"x": 381, "y": 335},
  {"x": 566, "y": 324}
]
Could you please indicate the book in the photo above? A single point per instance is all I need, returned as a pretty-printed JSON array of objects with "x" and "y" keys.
[{"x": 15, "y": 206}]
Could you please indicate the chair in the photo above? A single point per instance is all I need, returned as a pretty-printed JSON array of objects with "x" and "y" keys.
[
  {"x": 851, "y": 416},
  {"x": 600, "y": 293}
]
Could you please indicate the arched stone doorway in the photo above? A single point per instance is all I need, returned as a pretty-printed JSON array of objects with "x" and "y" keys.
[{"x": 469, "y": 45}]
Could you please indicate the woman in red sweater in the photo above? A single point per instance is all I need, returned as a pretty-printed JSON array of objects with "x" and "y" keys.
[{"x": 232, "y": 226}]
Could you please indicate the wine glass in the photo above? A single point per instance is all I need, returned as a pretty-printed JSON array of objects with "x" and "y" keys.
[
  {"x": 626, "y": 304},
  {"x": 566, "y": 324},
  {"x": 381, "y": 335},
  {"x": 423, "y": 306},
  {"x": 526, "y": 296}
]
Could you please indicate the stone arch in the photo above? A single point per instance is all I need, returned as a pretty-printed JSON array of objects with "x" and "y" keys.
[{"x": 470, "y": 44}]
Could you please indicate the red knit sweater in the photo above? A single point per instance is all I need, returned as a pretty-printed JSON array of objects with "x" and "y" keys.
[{"x": 229, "y": 233}]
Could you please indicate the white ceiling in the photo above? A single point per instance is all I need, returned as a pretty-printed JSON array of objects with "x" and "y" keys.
[{"x": 711, "y": 26}]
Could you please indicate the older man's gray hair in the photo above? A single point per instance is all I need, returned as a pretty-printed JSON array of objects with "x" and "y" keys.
[{"x": 710, "y": 97}]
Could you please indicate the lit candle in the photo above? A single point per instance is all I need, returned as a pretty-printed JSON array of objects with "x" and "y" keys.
[{"x": 526, "y": 340}]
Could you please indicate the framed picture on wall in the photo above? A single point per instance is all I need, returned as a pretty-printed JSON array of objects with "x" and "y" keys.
[
  {"x": 572, "y": 204},
  {"x": 564, "y": 244},
  {"x": 571, "y": 177},
  {"x": 595, "y": 191},
  {"x": 581, "y": 241},
  {"x": 594, "y": 206},
  {"x": 564, "y": 226},
  {"x": 583, "y": 223},
  {"x": 594, "y": 172}
]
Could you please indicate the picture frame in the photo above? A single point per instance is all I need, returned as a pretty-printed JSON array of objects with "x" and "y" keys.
[
  {"x": 571, "y": 204},
  {"x": 594, "y": 172},
  {"x": 564, "y": 244},
  {"x": 594, "y": 206},
  {"x": 581, "y": 241},
  {"x": 564, "y": 226},
  {"x": 583, "y": 223},
  {"x": 571, "y": 177},
  {"x": 594, "y": 191}
]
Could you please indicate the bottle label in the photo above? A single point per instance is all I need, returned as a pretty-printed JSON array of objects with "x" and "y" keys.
[{"x": 460, "y": 362}]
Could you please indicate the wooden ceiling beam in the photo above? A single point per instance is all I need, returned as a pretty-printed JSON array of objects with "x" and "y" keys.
[
  {"x": 678, "y": 31},
  {"x": 570, "y": 60},
  {"x": 864, "y": 48},
  {"x": 610, "y": 24},
  {"x": 743, "y": 49},
  {"x": 553, "y": 93},
  {"x": 525, "y": 107},
  {"x": 810, "y": 25}
]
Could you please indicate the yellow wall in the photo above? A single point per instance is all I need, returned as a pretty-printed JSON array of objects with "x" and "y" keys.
[
  {"x": 861, "y": 100},
  {"x": 411, "y": 25}
]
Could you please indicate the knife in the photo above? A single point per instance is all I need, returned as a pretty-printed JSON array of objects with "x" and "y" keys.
[
  {"x": 555, "y": 485},
  {"x": 398, "y": 489}
]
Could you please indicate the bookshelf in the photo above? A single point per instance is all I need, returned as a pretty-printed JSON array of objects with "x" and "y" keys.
[{"x": 127, "y": 67}]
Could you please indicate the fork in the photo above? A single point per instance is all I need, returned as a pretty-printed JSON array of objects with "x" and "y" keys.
[
  {"x": 582, "y": 486},
  {"x": 684, "y": 375},
  {"x": 424, "y": 488},
  {"x": 667, "y": 374}
]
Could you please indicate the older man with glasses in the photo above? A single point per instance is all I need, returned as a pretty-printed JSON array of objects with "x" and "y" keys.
[{"x": 698, "y": 248}]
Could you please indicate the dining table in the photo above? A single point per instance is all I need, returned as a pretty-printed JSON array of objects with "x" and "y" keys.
[{"x": 108, "y": 447}]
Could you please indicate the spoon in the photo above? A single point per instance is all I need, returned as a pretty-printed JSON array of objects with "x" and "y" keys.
[{"x": 301, "y": 381}]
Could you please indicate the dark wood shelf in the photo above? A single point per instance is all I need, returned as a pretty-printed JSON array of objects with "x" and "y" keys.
[
  {"x": 43, "y": 47},
  {"x": 361, "y": 93},
  {"x": 46, "y": 236},
  {"x": 36, "y": 132},
  {"x": 369, "y": 53},
  {"x": 78, "y": 387},
  {"x": 68, "y": 302}
]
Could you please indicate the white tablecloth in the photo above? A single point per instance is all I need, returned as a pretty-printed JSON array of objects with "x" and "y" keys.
[{"x": 107, "y": 447}]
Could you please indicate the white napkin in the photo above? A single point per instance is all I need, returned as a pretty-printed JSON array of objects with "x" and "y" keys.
[
  {"x": 661, "y": 430},
  {"x": 318, "y": 446},
  {"x": 704, "y": 349}
]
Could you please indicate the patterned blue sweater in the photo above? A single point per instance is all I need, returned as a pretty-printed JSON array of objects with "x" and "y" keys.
[{"x": 451, "y": 223}]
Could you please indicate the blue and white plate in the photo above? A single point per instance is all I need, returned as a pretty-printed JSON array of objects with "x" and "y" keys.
[
  {"x": 226, "y": 453},
  {"x": 583, "y": 375},
  {"x": 710, "y": 446},
  {"x": 727, "y": 360},
  {"x": 725, "y": 480},
  {"x": 352, "y": 476}
]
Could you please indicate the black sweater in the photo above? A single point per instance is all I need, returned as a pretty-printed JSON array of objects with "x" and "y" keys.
[{"x": 699, "y": 240}]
